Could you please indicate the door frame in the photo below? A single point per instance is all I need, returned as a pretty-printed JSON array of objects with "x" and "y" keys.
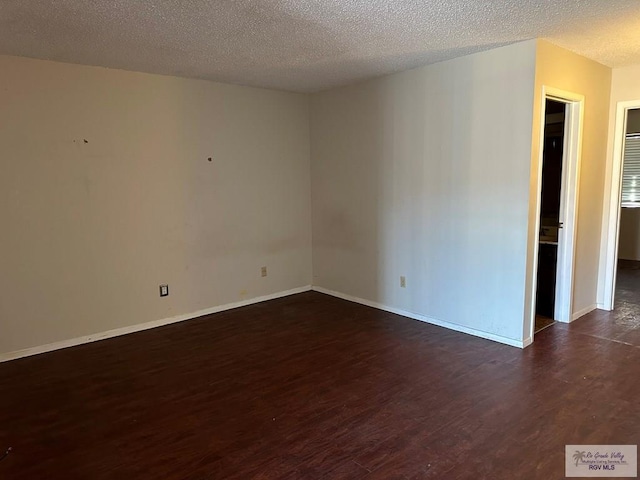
[
  {"x": 611, "y": 232},
  {"x": 570, "y": 186}
]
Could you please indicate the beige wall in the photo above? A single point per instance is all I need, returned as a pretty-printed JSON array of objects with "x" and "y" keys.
[
  {"x": 564, "y": 70},
  {"x": 425, "y": 174},
  {"x": 624, "y": 84},
  {"x": 106, "y": 192}
]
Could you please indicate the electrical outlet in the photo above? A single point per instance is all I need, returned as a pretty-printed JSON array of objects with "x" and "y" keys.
[
  {"x": 164, "y": 290},
  {"x": 403, "y": 282},
  {"x": 263, "y": 271}
]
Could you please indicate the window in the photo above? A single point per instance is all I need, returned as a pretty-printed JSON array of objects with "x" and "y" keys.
[{"x": 631, "y": 171}]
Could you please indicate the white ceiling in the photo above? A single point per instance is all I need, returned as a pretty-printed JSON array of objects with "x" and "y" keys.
[{"x": 306, "y": 45}]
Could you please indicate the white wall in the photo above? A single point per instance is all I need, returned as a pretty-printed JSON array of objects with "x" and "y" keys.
[
  {"x": 90, "y": 229},
  {"x": 625, "y": 86},
  {"x": 426, "y": 174},
  {"x": 565, "y": 70}
]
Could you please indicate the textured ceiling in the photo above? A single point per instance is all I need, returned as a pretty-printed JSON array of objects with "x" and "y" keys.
[{"x": 306, "y": 45}]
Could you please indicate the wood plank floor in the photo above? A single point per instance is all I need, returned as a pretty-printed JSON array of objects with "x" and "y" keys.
[{"x": 313, "y": 387}]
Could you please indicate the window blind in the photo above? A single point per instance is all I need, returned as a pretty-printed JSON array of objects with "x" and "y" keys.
[{"x": 631, "y": 171}]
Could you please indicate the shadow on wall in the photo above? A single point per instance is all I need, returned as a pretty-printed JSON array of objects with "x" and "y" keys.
[{"x": 629, "y": 243}]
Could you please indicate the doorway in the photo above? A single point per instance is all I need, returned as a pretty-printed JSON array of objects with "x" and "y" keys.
[
  {"x": 550, "y": 224},
  {"x": 622, "y": 263},
  {"x": 556, "y": 208}
]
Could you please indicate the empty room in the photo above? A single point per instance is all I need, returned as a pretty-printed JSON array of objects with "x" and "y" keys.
[{"x": 319, "y": 239}]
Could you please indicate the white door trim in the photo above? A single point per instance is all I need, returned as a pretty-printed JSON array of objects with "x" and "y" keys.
[
  {"x": 568, "y": 203},
  {"x": 612, "y": 228}
]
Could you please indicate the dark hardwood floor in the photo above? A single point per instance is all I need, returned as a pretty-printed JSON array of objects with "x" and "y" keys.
[
  {"x": 313, "y": 387},
  {"x": 542, "y": 322}
]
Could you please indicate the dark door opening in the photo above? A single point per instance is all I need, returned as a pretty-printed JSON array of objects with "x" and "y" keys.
[{"x": 551, "y": 194}]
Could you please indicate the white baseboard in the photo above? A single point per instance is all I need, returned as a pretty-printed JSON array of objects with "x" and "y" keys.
[
  {"x": 5, "y": 357},
  {"x": 584, "y": 311},
  {"x": 423, "y": 318},
  {"x": 602, "y": 306}
]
